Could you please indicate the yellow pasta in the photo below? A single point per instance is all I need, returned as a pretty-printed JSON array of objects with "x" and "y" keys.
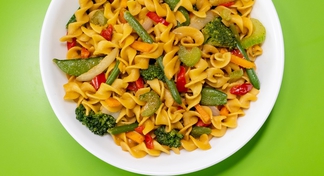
[{"x": 124, "y": 97}]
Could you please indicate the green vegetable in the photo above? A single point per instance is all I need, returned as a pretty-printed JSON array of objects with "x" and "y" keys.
[
  {"x": 197, "y": 131},
  {"x": 97, "y": 123},
  {"x": 217, "y": 34},
  {"x": 212, "y": 97},
  {"x": 153, "y": 71},
  {"x": 171, "y": 139},
  {"x": 153, "y": 103},
  {"x": 258, "y": 36},
  {"x": 172, "y": 4},
  {"x": 76, "y": 67},
  {"x": 98, "y": 18},
  {"x": 189, "y": 56},
  {"x": 170, "y": 83},
  {"x": 71, "y": 20},
  {"x": 114, "y": 74},
  {"x": 122, "y": 129},
  {"x": 137, "y": 27},
  {"x": 235, "y": 75}
]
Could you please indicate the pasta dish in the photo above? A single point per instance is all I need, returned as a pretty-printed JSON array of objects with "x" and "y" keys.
[{"x": 161, "y": 76}]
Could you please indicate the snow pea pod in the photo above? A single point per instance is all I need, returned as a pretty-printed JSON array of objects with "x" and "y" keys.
[
  {"x": 212, "y": 97},
  {"x": 76, "y": 67}
]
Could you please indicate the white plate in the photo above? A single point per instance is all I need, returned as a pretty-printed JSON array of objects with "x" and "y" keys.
[{"x": 270, "y": 71}]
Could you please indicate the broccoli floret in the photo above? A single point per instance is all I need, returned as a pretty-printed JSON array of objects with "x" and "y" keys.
[
  {"x": 97, "y": 123},
  {"x": 171, "y": 139},
  {"x": 153, "y": 71},
  {"x": 219, "y": 35}
]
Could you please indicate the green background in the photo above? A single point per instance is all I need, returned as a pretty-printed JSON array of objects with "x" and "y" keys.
[{"x": 33, "y": 142}]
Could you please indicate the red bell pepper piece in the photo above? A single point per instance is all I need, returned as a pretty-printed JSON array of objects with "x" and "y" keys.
[
  {"x": 107, "y": 33},
  {"x": 149, "y": 141},
  {"x": 227, "y": 4},
  {"x": 181, "y": 80},
  {"x": 156, "y": 18},
  {"x": 96, "y": 81},
  {"x": 241, "y": 89},
  {"x": 237, "y": 53},
  {"x": 200, "y": 123},
  {"x": 138, "y": 84},
  {"x": 71, "y": 44},
  {"x": 139, "y": 129}
]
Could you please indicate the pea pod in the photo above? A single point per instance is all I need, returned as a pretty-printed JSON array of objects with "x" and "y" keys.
[
  {"x": 170, "y": 83},
  {"x": 114, "y": 74},
  {"x": 122, "y": 129},
  {"x": 76, "y": 67},
  {"x": 197, "y": 131},
  {"x": 152, "y": 105},
  {"x": 212, "y": 97},
  {"x": 138, "y": 28}
]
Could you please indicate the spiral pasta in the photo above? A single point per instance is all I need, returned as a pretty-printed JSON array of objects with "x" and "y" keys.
[{"x": 214, "y": 69}]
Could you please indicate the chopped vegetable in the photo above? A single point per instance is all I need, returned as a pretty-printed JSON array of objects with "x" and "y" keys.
[
  {"x": 96, "y": 81},
  {"x": 153, "y": 103},
  {"x": 137, "y": 27},
  {"x": 113, "y": 102},
  {"x": 114, "y": 74},
  {"x": 139, "y": 129},
  {"x": 71, "y": 44},
  {"x": 153, "y": 71},
  {"x": 138, "y": 84},
  {"x": 197, "y": 131},
  {"x": 171, "y": 139},
  {"x": 97, "y": 123},
  {"x": 122, "y": 129},
  {"x": 76, "y": 67},
  {"x": 107, "y": 33},
  {"x": 181, "y": 80},
  {"x": 235, "y": 75},
  {"x": 135, "y": 136},
  {"x": 189, "y": 56},
  {"x": 227, "y": 4},
  {"x": 258, "y": 36},
  {"x": 142, "y": 46},
  {"x": 98, "y": 18},
  {"x": 212, "y": 97},
  {"x": 242, "y": 62},
  {"x": 241, "y": 89},
  {"x": 85, "y": 53},
  {"x": 203, "y": 114},
  {"x": 157, "y": 18},
  {"x": 224, "y": 111},
  {"x": 200, "y": 123},
  {"x": 149, "y": 141},
  {"x": 217, "y": 34},
  {"x": 170, "y": 83}
]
